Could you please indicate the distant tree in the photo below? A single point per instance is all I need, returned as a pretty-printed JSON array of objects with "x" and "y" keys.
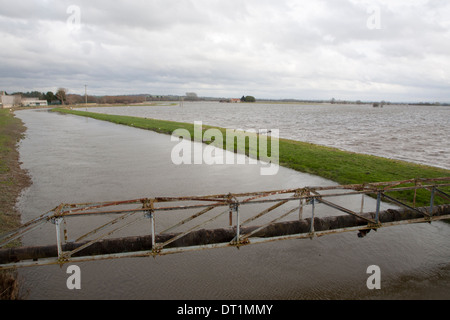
[
  {"x": 31, "y": 94},
  {"x": 74, "y": 99},
  {"x": 61, "y": 95},
  {"x": 248, "y": 99},
  {"x": 49, "y": 96},
  {"x": 191, "y": 96}
]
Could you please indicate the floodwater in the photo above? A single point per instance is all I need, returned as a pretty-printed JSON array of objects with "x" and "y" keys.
[
  {"x": 74, "y": 160},
  {"x": 412, "y": 133}
]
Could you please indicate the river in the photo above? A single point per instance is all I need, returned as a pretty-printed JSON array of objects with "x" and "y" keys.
[{"x": 73, "y": 159}]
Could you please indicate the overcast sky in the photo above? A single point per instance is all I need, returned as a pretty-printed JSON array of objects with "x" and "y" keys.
[{"x": 394, "y": 50}]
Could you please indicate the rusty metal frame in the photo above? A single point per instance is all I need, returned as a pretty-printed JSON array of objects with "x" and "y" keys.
[{"x": 150, "y": 207}]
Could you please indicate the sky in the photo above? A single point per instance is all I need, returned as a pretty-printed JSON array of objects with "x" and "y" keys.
[{"x": 369, "y": 50}]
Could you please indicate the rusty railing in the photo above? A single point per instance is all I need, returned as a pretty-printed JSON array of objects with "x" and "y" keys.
[{"x": 236, "y": 224}]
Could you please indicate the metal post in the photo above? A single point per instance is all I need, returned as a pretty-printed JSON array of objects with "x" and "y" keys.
[
  {"x": 300, "y": 210},
  {"x": 433, "y": 190},
  {"x": 362, "y": 203},
  {"x": 57, "y": 223},
  {"x": 378, "y": 207},
  {"x": 151, "y": 214},
  {"x": 236, "y": 208},
  {"x": 65, "y": 230},
  {"x": 230, "y": 214},
  {"x": 152, "y": 223},
  {"x": 311, "y": 230}
]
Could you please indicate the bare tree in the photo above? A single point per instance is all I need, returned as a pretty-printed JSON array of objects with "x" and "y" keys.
[{"x": 61, "y": 95}]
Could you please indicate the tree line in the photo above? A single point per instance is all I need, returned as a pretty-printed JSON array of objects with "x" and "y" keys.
[
  {"x": 62, "y": 96},
  {"x": 59, "y": 97}
]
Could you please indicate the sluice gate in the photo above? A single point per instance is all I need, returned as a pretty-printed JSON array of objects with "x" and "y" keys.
[{"x": 223, "y": 220}]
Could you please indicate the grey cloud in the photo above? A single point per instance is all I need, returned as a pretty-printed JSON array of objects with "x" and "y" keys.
[{"x": 291, "y": 47}]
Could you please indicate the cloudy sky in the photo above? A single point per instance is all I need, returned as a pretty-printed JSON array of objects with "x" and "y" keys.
[{"x": 395, "y": 50}]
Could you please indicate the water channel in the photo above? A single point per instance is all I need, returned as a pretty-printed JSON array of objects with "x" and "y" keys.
[{"x": 73, "y": 159}]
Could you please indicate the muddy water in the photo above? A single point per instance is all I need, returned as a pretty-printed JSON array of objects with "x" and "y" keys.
[
  {"x": 73, "y": 159},
  {"x": 412, "y": 133}
]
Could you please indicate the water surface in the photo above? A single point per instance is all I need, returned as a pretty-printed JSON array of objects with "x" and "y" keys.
[
  {"x": 405, "y": 132},
  {"x": 74, "y": 159}
]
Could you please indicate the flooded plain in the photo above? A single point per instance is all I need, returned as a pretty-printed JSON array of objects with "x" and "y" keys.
[
  {"x": 405, "y": 132},
  {"x": 73, "y": 159}
]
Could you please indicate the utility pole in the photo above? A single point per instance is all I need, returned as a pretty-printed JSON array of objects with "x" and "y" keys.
[{"x": 85, "y": 95}]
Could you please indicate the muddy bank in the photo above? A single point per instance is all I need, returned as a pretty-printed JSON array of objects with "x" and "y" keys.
[{"x": 13, "y": 179}]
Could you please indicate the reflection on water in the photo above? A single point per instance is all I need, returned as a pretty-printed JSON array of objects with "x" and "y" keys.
[
  {"x": 73, "y": 159},
  {"x": 411, "y": 133}
]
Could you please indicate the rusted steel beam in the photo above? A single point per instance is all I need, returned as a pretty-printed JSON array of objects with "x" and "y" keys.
[
  {"x": 205, "y": 237},
  {"x": 366, "y": 188},
  {"x": 340, "y": 208},
  {"x": 252, "y": 200}
]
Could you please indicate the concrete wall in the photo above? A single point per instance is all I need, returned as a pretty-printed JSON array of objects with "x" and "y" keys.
[{"x": 7, "y": 101}]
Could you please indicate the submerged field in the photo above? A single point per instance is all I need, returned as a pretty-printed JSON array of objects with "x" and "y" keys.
[{"x": 340, "y": 166}]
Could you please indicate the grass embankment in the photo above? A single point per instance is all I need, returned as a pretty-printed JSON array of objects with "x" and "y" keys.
[
  {"x": 340, "y": 166},
  {"x": 12, "y": 180},
  {"x": 108, "y": 105}
]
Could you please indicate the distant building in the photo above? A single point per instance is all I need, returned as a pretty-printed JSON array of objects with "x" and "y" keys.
[
  {"x": 7, "y": 101},
  {"x": 33, "y": 102},
  {"x": 230, "y": 100}
]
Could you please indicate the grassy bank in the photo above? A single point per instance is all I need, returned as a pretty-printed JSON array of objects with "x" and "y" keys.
[
  {"x": 12, "y": 180},
  {"x": 101, "y": 105},
  {"x": 340, "y": 166}
]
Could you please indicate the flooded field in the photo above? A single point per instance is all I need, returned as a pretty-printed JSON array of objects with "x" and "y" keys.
[
  {"x": 74, "y": 159},
  {"x": 412, "y": 133}
]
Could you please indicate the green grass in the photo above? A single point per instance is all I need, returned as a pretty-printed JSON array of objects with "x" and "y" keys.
[
  {"x": 6, "y": 138},
  {"x": 143, "y": 104},
  {"x": 340, "y": 166}
]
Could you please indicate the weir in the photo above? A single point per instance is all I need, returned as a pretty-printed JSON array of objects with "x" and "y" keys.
[{"x": 294, "y": 214}]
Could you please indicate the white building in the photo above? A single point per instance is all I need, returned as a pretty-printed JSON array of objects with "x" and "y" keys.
[
  {"x": 33, "y": 102},
  {"x": 7, "y": 101}
]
